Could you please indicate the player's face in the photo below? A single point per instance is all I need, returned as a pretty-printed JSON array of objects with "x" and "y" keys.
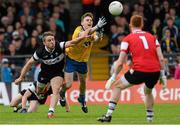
[
  {"x": 87, "y": 22},
  {"x": 49, "y": 42}
]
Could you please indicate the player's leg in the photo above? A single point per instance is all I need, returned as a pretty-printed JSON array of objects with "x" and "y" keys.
[
  {"x": 69, "y": 70},
  {"x": 15, "y": 103},
  {"x": 33, "y": 106},
  {"x": 56, "y": 83},
  {"x": 82, "y": 88},
  {"x": 67, "y": 107},
  {"x": 118, "y": 87},
  {"x": 68, "y": 83},
  {"x": 150, "y": 82},
  {"x": 149, "y": 102}
]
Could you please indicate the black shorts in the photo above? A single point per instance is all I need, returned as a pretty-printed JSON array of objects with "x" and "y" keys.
[
  {"x": 46, "y": 77},
  {"x": 136, "y": 77},
  {"x": 42, "y": 101},
  {"x": 33, "y": 97}
]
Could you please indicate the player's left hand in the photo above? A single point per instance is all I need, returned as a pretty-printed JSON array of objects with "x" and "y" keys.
[{"x": 101, "y": 22}]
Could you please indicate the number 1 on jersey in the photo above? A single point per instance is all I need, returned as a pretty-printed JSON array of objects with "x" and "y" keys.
[{"x": 144, "y": 41}]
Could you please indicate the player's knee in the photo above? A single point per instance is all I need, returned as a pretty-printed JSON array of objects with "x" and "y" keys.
[
  {"x": 119, "y": 85},
  {"x": 55, "y": 91},
  {"x": 147, "y": 91}
]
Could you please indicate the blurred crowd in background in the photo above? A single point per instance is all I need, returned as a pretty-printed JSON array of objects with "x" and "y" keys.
[{"x": 23, "y": 21}]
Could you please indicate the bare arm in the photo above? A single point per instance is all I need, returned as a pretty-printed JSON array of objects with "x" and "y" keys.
[
  {"x": 163, "y": 79},
  {"x": 24, "y": 70},
  {"x": 100, "y": 24},
  {"x": 25, "y": 97},
  {"x": 119, "y": 64},
  {"x": 117, "y": 68},
  {"x": 161, "y": 57},
  {"x": 82, "y": 35}
]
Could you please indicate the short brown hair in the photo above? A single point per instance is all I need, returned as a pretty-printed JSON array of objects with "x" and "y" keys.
[
  {"x": 86, "y": 14},
  {"x": 136, "y": 21},
  {"x": 45, "y": 34}
]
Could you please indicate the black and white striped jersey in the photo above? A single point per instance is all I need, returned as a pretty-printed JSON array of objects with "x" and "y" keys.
[{"x": 51, "y": 61}]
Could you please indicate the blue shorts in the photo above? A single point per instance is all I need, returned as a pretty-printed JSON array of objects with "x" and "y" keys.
[{"x": 75, "y": 66}]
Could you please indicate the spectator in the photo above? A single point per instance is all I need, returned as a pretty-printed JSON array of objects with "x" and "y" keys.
[
  {"x": 157, "y": 13},
  {"x": 177, "y": 69},
  {"x": 173, "y": 29},
  {"x": 31, "y": 45},
  {"x": 88, "y": 6},
  {"x": 172, "y": 13},
  {"x": 164, "y": 9},
  {"x": 115, "y": 44},
  {"x": 36, "y": 72},
  {"x": 156, "y": 28},
  {"x": 168, "y": 44},
  {"x": 6, "y": 75},
  {"x": 2, "y": 44},
  {"x": 64, "y": 15}
]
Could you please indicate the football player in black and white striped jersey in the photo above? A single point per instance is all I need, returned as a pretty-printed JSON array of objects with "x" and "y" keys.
[
  {"x": 51, "y": 56},
  {"x": 35, "y": 99}
]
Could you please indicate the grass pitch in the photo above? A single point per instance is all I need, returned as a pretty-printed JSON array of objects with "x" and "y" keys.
[{"x": 124, "y": 114}]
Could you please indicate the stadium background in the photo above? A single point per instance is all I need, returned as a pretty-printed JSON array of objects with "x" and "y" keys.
[{"x": 23, "y": 21}]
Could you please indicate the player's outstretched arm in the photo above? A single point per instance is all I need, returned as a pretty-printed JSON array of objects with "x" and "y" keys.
[
  {"x": 24, "y": 70},
  {"x": 101, "y": 23},
  {"x": 75, "y": 41},
  {"x": 117, "y": 68},
  {"x": 163, "y": 79}
]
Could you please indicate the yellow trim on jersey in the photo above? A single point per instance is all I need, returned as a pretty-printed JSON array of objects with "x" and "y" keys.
[{"x": 81, "y": 51}]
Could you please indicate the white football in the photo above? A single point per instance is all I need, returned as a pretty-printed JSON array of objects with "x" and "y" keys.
[{"x": 115, "y": 8}]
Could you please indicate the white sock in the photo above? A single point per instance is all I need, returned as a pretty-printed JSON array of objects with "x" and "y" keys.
[
  {"x": 51, "y": 109},
  {"x": 111, "y": 108},
  {"x": 149, "y": 113}
]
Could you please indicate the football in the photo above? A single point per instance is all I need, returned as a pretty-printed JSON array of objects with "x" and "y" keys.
[{"x": 115, "y": 8}]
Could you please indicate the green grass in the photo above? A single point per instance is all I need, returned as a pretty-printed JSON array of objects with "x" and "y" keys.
[{"x": 124, "y": 114}]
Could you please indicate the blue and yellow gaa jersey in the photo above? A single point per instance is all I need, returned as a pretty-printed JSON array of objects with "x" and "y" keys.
[{"x": 81, "y": 51}]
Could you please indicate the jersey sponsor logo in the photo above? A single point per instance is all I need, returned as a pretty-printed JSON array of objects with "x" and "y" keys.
[{"x": 54, "y": 60}]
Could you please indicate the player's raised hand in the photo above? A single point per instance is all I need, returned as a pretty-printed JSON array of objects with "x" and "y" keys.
[
  {"x": 101, "y": 22},
  {"x": 100, "y": 33},
  {"x": 18, "y": 81},
  {"x": 110, "y": 82}
]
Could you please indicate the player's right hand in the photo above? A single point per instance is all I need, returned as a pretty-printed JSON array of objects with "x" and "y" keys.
[
  {"x": 163, "y": 82},
  {"x": 163, "y": 79},
  {"x": 101, "y": 22},
  {"x": 18, "y": 81},
  {"x": 109, "y": 83}
]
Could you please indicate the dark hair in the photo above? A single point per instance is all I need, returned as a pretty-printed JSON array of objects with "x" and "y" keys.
[
  {"x": 86, "y": 14},
  {"x": 45, "y": 34}
]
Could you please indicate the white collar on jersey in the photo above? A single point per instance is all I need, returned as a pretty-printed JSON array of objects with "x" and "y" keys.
[
  {"x": 134, "y": 30},
  {"x": 48, "y": 50}
]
